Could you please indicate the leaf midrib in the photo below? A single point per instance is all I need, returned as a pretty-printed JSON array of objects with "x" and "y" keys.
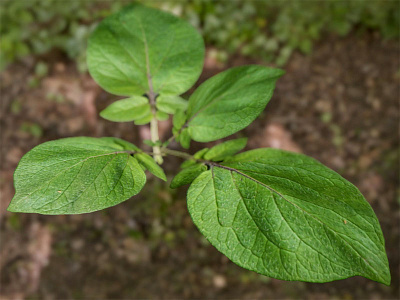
[
  {"x": 70, "y": 167},
  {"x": 279, "y": 248},
  {"x": 228, "y": 92},
  {"x": 88, "y": 186},
  {"x": 308, "y": 171},
  {"x": 306, "y": 212}
]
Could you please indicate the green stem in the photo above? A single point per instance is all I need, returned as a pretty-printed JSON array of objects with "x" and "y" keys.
[
  {"x": 167, "y": 142},
  {"x": 177, "y": 153},
  {"x": 187, "y": 156}
]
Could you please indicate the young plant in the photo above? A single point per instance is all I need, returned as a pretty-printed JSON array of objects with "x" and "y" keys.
[{"x": 281, "y": 214}]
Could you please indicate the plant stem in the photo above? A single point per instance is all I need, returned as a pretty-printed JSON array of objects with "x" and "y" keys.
[
  {"x": 154, "y": 128},
  {"x": 152, "y": 99},
  {"x": 167, "y": 142},
  {"x": 171, "y": 138},
  {"x": 155, "y": 138},
  {"x": 177, "y": 153},
  {"x": 154, "y": 123}
]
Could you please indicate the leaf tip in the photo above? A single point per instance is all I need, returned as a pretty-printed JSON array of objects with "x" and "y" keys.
[
  {"x": 386, "y": 278},
  {"x": 281, "y": 72},
  {"x": 163, "y": 177},
  {"x": 13, "y": 208}
]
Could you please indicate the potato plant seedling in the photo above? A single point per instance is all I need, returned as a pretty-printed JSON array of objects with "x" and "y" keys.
[{"x": 277, "y": 213}]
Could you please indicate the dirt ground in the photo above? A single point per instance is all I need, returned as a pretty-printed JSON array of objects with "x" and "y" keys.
[{"x": 339, "y": 105}]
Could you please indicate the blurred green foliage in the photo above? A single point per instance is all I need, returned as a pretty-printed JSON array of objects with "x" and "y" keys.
[
  {"x": 37, "y": 26},
  {"x": 32, "y": 129},
  {"x": 268, "y": 30},
  {"x": 272, "y": 30}
]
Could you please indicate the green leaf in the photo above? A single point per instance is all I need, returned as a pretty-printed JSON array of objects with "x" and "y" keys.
[
  {"x": 187, "y": 175},
  {"x": 76, "y": 175},
  {"x": 225, "y": 149},
  {"x": 152, "y": 144},
  {"x": 179, "y": 119},
  {"x": 162, "y": 116},
  {"x": 287, "y": 216},
  {"x": 141, "y": 46},
  {"x": 187, "y": 163},
  {"x": 171, "y": 104},
  {"x": 127, "y": 110},
  {"x": 198, "y": 155},
  {"x": 142, "y": 167},
  {"x": 230, "y": 101},
  {"x": 149, "y": 143},
  {"x": 121, "y": 144},
  {"x": 201, "y": 153},
  {"x": 184, "y": 138},
  {"x": 151, "y": 165},
  {"x": 145, "y": 120}
]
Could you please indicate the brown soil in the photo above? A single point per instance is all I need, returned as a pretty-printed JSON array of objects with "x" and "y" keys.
[{"x": 339, "y": 105}]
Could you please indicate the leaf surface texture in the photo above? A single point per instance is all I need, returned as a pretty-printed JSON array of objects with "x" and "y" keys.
[
  {"x": 287, "y": 216},
  {"x": 140, "y": 43},
  {"x": 76, "y": 175}
]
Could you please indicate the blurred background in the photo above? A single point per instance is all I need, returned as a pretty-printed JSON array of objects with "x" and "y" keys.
[{"x": 338, "y": 102}]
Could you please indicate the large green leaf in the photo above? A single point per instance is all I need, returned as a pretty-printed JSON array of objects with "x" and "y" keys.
[
  {"x": 76, "y": 175},
  {"x": 141, "y": 46},
  {"x": 287, "y": 216},
  {"x": 230, "y": 101}
]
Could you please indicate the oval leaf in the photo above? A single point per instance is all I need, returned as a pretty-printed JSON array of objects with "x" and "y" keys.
[
  {"x": 179, "y": 119},
  {"x": 127, "y": 110},
  {"x": 145, "y": 119},
  {"x": 198, "y": 155},
  {"x": 187, "y": 175},
  {"x": 140, "y": 47},
  {"x": 187, "y": 163},
  {"x": 201, "y": 153},
  {"x": 76, "y": 175},
  {"x": 230, "y": 101},
  {"x": 161, "y": 116},
  {"x": 287, "y": 216},
  {"x": 225, "y": 149},
  {"x": 151, "y": 165},
  {"x": 184, "y": 138},
  {"x": 171, "y": 104}
]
